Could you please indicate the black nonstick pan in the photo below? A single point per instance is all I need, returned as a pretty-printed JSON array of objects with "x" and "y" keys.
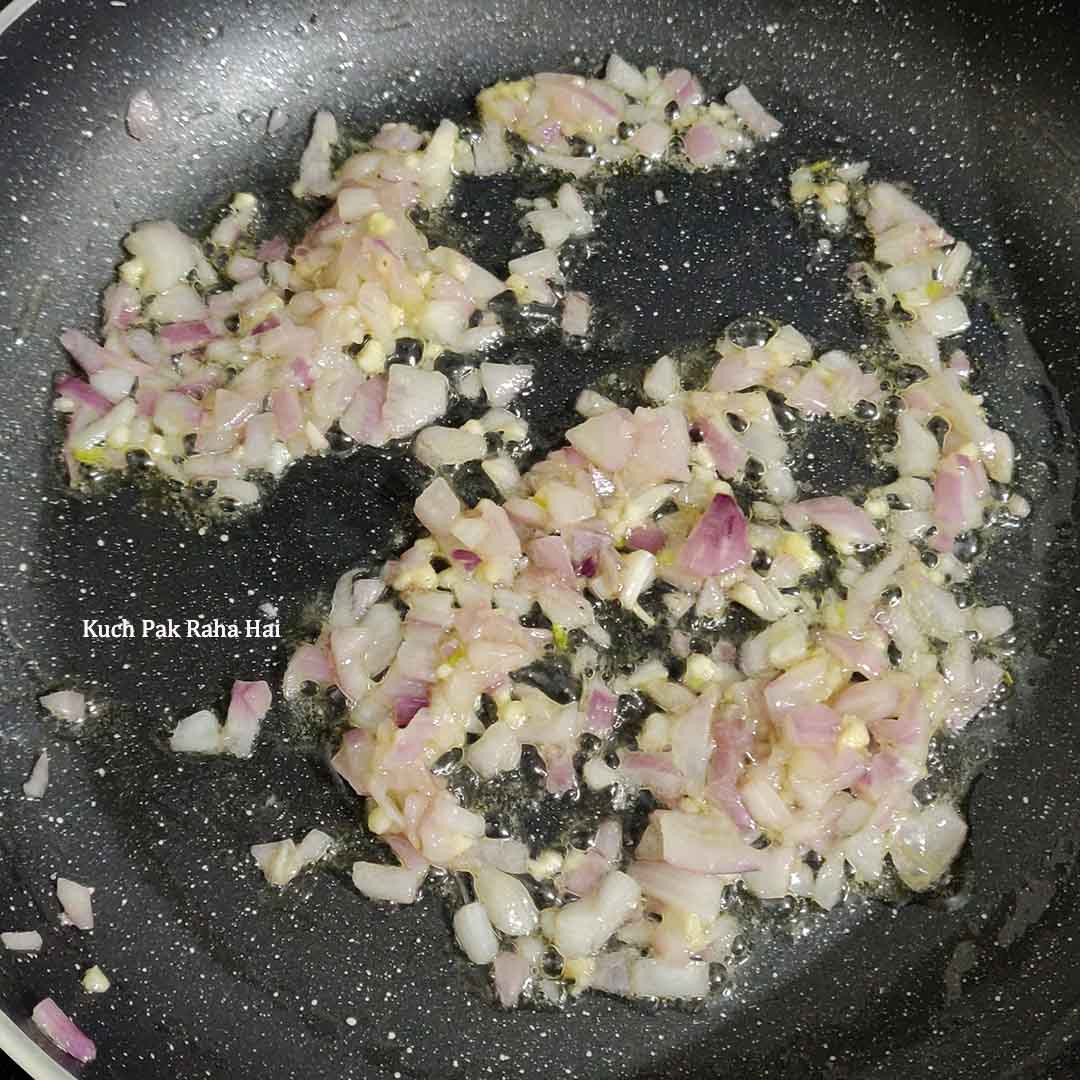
[{"x": 213, "y": 974}]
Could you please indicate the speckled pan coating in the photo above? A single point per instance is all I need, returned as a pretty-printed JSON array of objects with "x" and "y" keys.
[{"x": 214, "y": 976}]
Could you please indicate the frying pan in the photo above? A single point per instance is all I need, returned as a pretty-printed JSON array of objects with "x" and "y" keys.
[{"x": 213, "y": 975}]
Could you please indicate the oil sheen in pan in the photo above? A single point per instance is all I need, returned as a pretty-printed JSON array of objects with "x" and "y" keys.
[
  {"x": 829, "y": 456},
  {"x": 633, "y": 283}
]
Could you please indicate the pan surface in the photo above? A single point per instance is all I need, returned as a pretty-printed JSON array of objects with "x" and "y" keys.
[{"x": 216, "y": 976}]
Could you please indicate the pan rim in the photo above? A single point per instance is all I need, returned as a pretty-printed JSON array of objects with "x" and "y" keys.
[
  {"x": 15, "y": 1042},
  {"x": 22, "y": 1049},
  {"x": 15, "y": 10}
]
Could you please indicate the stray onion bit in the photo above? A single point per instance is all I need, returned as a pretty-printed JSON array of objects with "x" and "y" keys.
[
  {"x": 95, "y": 981},
  {"x": 75, "y": 899},
  {"x": 143, "y": 117},
  {"x": 54, "y": 1023},
  {"x": 69, "y": 705},
  {"x": 211, "y": 371},
  {"x": 201, "y": 733},
  {"x": 810, "y": 733},
  {"x": 21, "y": 940},
  {"x": 38, "y": 781},
  {"x": 282, "y": 860}
]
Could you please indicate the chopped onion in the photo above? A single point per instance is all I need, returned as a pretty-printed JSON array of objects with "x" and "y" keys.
[
  {"x": 751, "y": 112},
  {"x": 511, "y": 975},
  {"x": 577, "y": 311},
  {"x": 143, "y": 118},
  {"x": 75, "y": 899},
  {"x": 414, "y": 398},
  {"x": 582, "y": 927},
  {"x": 38, "y": 781},
  {"x": 839, "y": 517},
  {"x": 282, "y": 860},
  {"x": 249, "y": 703},
  {"x": 438, "y": 446},
  {"x": 653, "y": 978},
  {"x": 67, "y": 705},
  {"x": 315, "y": 169},
  {"x": 474, "y": 934},
  {"x": 925, "y": 844},
  {"x": 717, "y": 542},
  {"x": 21, "y": 940},
  {"x": 503, "y": 382},
  {"x": 396, "y": 884},
  {"x": 50, "y": 1019},
  {"x": 507, "y": 902}
]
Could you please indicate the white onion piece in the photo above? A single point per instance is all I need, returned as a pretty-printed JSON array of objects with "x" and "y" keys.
[
  {"x": 315, "y": 173},
  {"x": 568, "y": 200},
  {"x": 829, "y": 882},
  {"x": 505, "y": 854},
  {"x": 925, "y": 844},
  {"x": 143, "y": 117},
  {"x": 199, "y": 733},
  {"x": 38, "y": 781},
  {"x": 582, "y": 927},
  {"x": 752, "y": 113},
  {"x": 435, "y": 164},
  {"x": 282, "y": 860},
  {"x": 503, "y": 382},
  {"x": 75, "y": 899},
  {"x": 95, "y": 981},
  {"x": 506, "y": 900},
  {"x": 498, "y": 750},
  {"x": 945, "y": 317},
  {"x": 917, "y": 452},
  {"x": 653, "y": 978},
  {"x": 577, "y": 311},
  {"x": 503, "y": 473},
  {"x": 662, "y": 380},
  {"x": 112, "y": 383},
  {"x": 396, "y": 884},
  {"x": 362, "y": 652},
  {"x": 166, "y": 256},
  {"x": 625, "y": 77},
  {"x": 21, "y": 940},
  {"x": 474, "y": 934},
  {"x": 276, "y": 120},
  {"x": 67, "y": 705},
  {"x": 606, "y": 439},
  {"x": 707, "y": 844},
  {"x": 414, "y": 398},
  {"x": 889, "y": 206},
  {"x": 698, "y": 894},
  {"x": 439, "y": 446},
  {"x": 535, "y": 271}
]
